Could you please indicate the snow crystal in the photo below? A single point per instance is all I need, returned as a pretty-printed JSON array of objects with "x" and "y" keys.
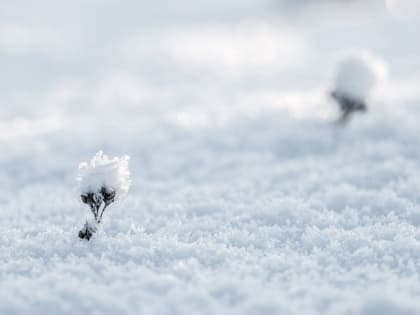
[{"x": 102, "y": 171}]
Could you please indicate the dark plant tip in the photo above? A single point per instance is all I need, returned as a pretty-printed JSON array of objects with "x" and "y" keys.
[
  {"x": 85, "y": 235},
  {"x": 108, "y": 195},
  {"x": 84, "y": 198},
  {"x": 82, "y": 234}
]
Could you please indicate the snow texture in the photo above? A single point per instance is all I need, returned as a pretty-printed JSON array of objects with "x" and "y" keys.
[
  {"x": 102, "y": 171},
  {"x": 245, "y": 197}
]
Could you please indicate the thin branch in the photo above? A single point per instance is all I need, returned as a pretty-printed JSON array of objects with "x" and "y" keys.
[{"x": 103, "y": 210}]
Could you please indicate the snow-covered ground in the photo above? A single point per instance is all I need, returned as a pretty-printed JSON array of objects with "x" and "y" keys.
[{"x": 245, "y": 197}]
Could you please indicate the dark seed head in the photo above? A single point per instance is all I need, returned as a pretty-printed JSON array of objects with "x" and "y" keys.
[
  {"x": 85, "y": 234},
  {"x": 84, "y": 198},
  {"x": 94, "y": 200},
  {"x": 88, "y": 235},
  {"x": 108, "y": 195}
]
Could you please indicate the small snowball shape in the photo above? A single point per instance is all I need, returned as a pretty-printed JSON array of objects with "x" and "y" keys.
[
  {"x": 103, "y": 171},
  {"x": 356, "y": 75}
]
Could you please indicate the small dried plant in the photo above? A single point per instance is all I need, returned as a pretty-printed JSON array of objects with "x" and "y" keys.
[
  {"x": 354, "y": 79},
  {"x": 102, "y": 181},
  {"x": 348, "y": 105}
]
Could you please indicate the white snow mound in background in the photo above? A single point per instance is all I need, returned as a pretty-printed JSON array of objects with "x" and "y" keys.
[
  {"x": 103, "y": 171},
  {"x": 357, "y": 74}
]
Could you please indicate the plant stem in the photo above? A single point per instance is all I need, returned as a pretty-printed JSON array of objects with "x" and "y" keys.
[{"x": 103, "y": 210}]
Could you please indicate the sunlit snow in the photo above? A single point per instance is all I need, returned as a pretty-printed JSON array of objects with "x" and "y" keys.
[{"x": 245, "y": 196}]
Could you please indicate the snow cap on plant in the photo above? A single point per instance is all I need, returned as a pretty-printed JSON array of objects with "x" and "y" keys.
[
  {"x": 102, "y": 181},
  {"x": 356, "y": 74},
  {"x": 102, "y": 171}
]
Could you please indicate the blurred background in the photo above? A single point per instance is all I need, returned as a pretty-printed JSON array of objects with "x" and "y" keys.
[
  {"x": 80, "y": 76},
  {"x": 232, "y": 58},
  {"x": 117, "y": 75}
]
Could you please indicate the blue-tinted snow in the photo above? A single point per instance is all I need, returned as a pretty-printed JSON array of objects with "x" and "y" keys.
[{"x": 246, "y": 198}]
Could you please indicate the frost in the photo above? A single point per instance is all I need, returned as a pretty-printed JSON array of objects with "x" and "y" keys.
[
  {"x": 102, "y": 181},
  {"x": 102, "y": 171}
]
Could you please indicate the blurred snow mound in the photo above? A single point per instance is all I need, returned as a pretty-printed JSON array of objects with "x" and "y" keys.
[
  {"x": 355, "y": 75},
  {"x": 102, "y": 171}
]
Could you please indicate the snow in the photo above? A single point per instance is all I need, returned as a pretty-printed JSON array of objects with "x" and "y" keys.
[
  {"x": 245, "y": 197},
  {"x": 102, "y": 171},
  {"x": 356, "y": 75}
]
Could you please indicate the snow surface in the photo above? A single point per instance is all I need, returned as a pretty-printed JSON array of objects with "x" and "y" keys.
[{"x": 245, "y": 198}]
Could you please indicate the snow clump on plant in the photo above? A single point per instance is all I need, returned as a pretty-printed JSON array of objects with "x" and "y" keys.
[
  {"x": 102, "y": 181},
  {"x": 354, "y": 78}
]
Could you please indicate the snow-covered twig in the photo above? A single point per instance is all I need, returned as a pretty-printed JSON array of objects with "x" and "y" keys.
[
  {"x": 102, "y": 181},
  {"x": 355, "y": 76}
]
